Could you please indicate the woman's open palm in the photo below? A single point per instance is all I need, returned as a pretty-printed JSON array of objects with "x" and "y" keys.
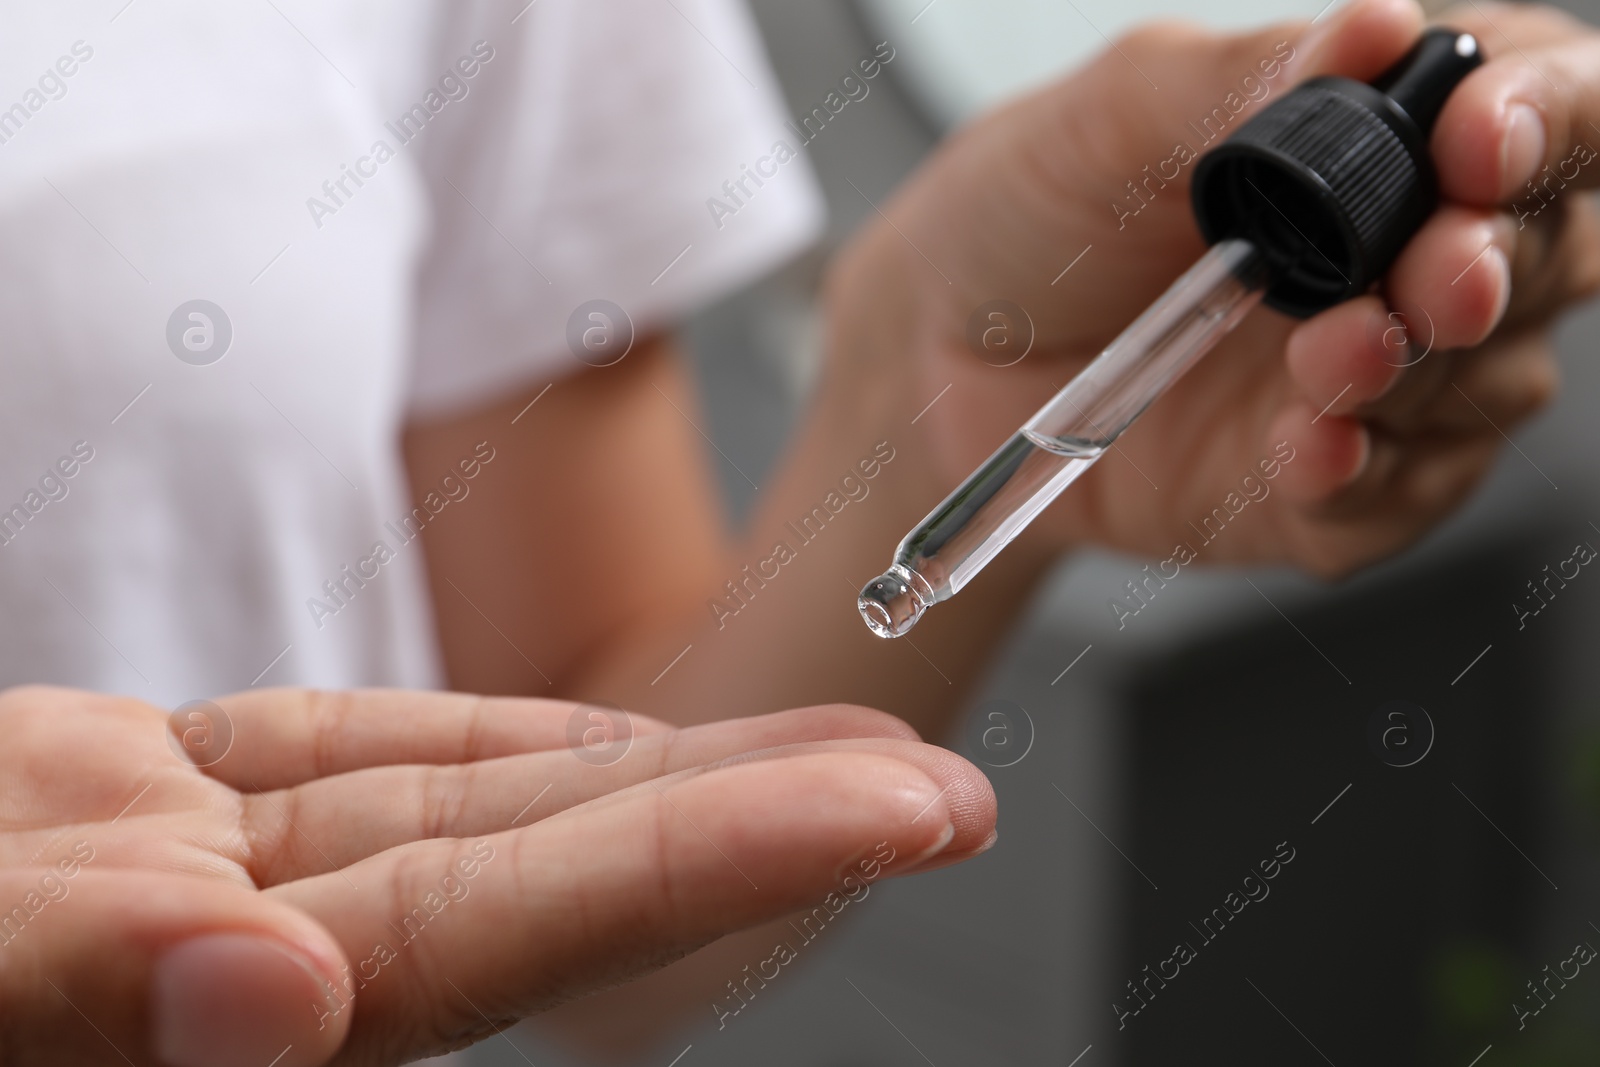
[{"x": 371, "y": 877}]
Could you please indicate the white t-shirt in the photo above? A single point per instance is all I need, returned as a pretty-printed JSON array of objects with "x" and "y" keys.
[{"x": 396, "y": 206}]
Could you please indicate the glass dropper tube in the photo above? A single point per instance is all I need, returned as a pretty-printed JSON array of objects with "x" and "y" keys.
[{"x": 1064, "y": 438}]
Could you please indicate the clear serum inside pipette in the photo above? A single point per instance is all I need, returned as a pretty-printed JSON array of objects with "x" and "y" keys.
[
  {"x": 1063, "y": 439},
  {"x": 1306, "y": 205}
]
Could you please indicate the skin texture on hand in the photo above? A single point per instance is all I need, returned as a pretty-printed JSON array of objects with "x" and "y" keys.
[{"x": 367, "y": 878}]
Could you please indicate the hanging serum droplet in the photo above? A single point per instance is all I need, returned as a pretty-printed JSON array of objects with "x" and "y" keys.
[{"x": 1063, "y": 439}]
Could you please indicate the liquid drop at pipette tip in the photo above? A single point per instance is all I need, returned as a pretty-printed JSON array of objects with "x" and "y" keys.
[{"x": 973, "y": 524}]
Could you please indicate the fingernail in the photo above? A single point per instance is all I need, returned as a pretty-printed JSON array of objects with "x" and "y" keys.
[
  {"x": 1362, "y": 459},
  {"x": 1503, "y": 296},
  {"x": 1522, "y": 150},
  {"x": 950, "y": 859},
  {"x": 231, "y": 1000},
  {"x": 946, "y": 836}
]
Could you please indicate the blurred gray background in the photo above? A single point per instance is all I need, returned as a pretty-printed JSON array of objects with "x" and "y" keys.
[{"x": 1417, "y": 906}]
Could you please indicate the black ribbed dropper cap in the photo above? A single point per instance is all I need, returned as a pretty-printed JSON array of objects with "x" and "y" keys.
[{"x": 1331, "y": 180}]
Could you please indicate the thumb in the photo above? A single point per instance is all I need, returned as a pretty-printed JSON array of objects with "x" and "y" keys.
[
  {"x": 1359, "y": 39},
  {"x": 102, "y": 965},
  {"x": 1194, "y": 86}
]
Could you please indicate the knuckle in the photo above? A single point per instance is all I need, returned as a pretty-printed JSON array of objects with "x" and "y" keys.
[
  {"x": 1544, "y": 20},
  {"x": 442, "y": 799},
  {"x": 329, "y": 711},
  {"x": 665, "y": 753},
  {"x": 1585, "y": 277},
  {"x": 1486, "y": 18},
  {"x": 22, "y": 701},
  {"x": 1543, "y": 381},
  {"x": 27, "y": 694},
  {"x": 1333, "y": 566},
  {"x": 32, "y": 697},
  {"x": 1157, "y": 38},
  {"x": 1584, "y": 271},
  {"x": 476, "y": 744}
]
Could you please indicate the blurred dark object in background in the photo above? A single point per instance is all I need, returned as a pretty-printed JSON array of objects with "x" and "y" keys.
[{"x": 1404, "y": 929}]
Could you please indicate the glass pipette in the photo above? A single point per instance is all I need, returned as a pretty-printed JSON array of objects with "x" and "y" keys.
[
  {"x": 1307, "y": 205},
  {"x": 1064, "y": 438}
]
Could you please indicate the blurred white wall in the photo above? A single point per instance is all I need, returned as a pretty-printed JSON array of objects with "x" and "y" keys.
[{"x": 962, "y": 56}]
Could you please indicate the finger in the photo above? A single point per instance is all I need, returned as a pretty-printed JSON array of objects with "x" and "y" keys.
[
  {"x": 108, "y": 966},
  {"x": 1349, "y": 355},
  {"x": 1527, "y": 110},
  {"x": 1330, "y": 451},
  {"x": 1359, "y": 40},
  {"x": 1557, "y": 260},
  {"x": 1502, "y": 27},
  {"x": 558, "y": 909},
  {"x": 1410, "y": 484},
  {"x": 1435, "y": 476},
  {"x": 1406, "y": 487},
  {"x": 1452, "y": 286},
  {"x": 329, "y": 823},
  {"x": 1499, "y": 386},
  {"x": 1407, "y": 481},
  {"x": 282, "y": 737},
  {"x": 968, "y": 797},
  {"x": 1455, "y": 275}
]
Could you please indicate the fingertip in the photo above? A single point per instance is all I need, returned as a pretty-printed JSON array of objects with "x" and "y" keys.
[
  {"x": 1482, "y": 293},
  {"x": 1330, "y": 452},
  {"x": 1522, "y": 146},
  {"x": 1497, "y": 284},
  {"x": 233, "y": 999},
  {"x": 934, "y": 806},
  {"x": 817, "y": 795},
  {"x": 646, "y": 725},
  {"x": 1492, "y": 137},
  {"x": 818, "y": 723},
  {"x": 1362, "y": 441},
  {"x": 967, "y": 796},
  {"x": 952, "y": 855},
  {"x": 1456, "y": 271},
  {"x": 970, "y": 797},
  {"x": 1361, "y": 39},
  {"x": 1349, "y": 355},
  {"x": 858, "y": 720}
]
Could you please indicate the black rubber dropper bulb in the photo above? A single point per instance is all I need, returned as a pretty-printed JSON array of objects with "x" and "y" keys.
[{"x": 1331, "y": 180}]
